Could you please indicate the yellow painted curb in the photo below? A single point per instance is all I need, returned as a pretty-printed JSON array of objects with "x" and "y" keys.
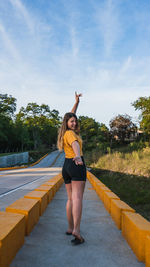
[
  {"x": 38, "y": 160},
  {"x": 147, "y": 252},
  {"x": 100, "y": 191},
  {"x": 41, "y": 196},
  {"x": 30, "y": 208},
  {"x": 13, "y": 168},
  {"x": 20, "y": 218},
  {"x": 53, "y": 185},
  {"x": 108, "y": 196},
  {"x": 117, "y": 207},
  {"x": 12, "y": 231},
  {"x": 135, "y": 229},
  {"x": 47, "y": 188},
  {"x": 100, "y": 183}
]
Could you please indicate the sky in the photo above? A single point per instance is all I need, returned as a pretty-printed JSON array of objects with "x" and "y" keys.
[{"x": 101, "y": 48}]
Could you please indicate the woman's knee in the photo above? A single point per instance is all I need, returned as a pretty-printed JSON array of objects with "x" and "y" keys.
[{"x": 77, "y": 197}]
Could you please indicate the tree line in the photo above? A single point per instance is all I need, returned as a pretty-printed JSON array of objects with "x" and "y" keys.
[
  {"x": 33, "y": 127},
  {"x": 36, "y": 126}
]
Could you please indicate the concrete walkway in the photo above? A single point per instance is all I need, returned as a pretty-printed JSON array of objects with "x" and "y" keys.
[{"x": 47, "y": 245}]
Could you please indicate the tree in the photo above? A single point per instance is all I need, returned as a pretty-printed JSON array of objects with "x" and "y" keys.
[
  {"x": 42, "y": 123},
  {"x": 5, "y": 133},
  {"x": 7, "y": 109},
  {"x": 7, "y": 105},
  {"x": 143, "y": 104},
  {"x": 34, "y": 126},
  {"x": 89, "y": 129},
  {"x": 22, "y": 138},
  {"x": 122, "y": 126},
  {"x": 93, "y": 133}
]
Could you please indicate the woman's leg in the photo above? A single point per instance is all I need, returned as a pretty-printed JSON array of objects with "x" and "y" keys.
[
  {"x": 69, "y": 208},
  {"x": 77, "y": 196}
]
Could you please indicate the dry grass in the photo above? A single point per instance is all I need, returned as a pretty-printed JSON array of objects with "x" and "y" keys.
[{"x": 136, "y": 162}]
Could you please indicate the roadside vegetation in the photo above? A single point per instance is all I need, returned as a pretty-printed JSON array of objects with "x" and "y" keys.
[
  {"x": 125, "y": 166},
  {"x": 126, "y": 173},
  {"x": 124, "y": 161}
]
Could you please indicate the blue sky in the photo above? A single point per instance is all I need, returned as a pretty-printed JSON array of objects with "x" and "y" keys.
[{"x": 51, "y": 48}]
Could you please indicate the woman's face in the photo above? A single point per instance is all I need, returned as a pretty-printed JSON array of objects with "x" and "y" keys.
[{"x": 72, "y": 123}]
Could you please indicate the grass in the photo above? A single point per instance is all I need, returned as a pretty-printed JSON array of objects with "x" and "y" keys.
[
  {"x": 135, "y": 162},
  {"x": 132, "y": 189},
  {"x": 127, "y": 173}
]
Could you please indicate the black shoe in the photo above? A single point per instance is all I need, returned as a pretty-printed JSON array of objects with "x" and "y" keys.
[{"x": 77, "y": 240}]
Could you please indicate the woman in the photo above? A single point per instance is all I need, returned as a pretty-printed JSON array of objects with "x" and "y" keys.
[{"x": 73, "y": 171}]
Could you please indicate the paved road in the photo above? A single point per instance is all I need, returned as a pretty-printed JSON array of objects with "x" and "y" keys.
[
  {"x": 53, "y": 159},
  {"x": 16, "y": 183},
  {"x": 47, "y": 245}
]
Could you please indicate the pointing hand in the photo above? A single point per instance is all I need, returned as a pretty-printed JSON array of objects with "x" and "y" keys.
[{"x": 77, "y": 96}]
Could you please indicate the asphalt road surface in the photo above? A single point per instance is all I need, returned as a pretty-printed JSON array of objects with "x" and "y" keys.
[{"x": 14, "y": 184}]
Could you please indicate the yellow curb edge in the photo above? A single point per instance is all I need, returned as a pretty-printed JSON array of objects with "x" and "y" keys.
[{"x": 135, "y": 225}]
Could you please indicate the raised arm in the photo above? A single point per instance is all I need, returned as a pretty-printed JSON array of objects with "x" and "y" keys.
[{"x": 77, "y": 96}]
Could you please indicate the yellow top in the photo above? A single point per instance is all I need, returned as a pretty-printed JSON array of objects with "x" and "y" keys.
[{"x": 69, "y": 137}]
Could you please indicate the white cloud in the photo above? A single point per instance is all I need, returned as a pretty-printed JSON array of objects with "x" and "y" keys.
[
  {"x": 126, "y": 65},
  {"x": 100, "y": 100},
  {"x": 8, "y": 42},
  {"x": 107, "y": 17},
  {"x": 18, "y": 5},
  {"x": 74, "y": 42}
]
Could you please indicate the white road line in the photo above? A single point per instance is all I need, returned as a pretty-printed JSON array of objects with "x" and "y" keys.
[
  {"x": 18, "y": 187},
  {"x": 15, "y": 189}
]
